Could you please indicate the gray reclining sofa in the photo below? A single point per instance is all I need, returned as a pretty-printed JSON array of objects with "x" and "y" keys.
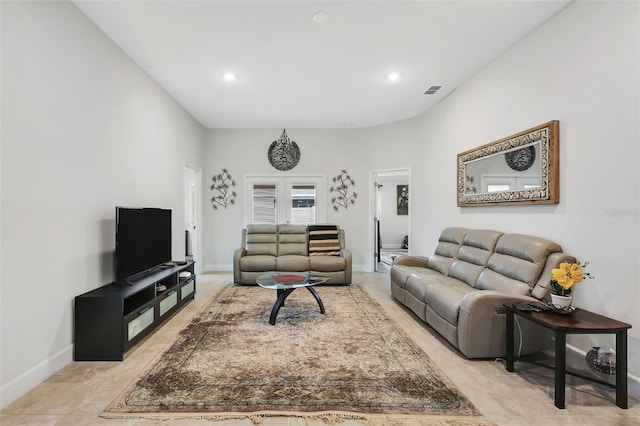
[
  {"x": 286, "y": 248},
  {"x": 461, "y": 289}
]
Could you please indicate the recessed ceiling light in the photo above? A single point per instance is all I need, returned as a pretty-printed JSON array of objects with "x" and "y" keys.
[
  {"x": 320, "y": 17},
  {"x": 229, "y": 76},
  {"x": 393, "y": 76}
]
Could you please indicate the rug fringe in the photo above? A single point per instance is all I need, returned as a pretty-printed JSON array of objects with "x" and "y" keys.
[{"x": 327, "y": 417}]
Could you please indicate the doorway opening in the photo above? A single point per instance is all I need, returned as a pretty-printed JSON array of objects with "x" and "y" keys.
[{"x": 390, "y": 216}]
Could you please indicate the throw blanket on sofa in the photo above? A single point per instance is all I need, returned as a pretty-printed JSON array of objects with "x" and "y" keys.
[{"x": 323, "y": 240}]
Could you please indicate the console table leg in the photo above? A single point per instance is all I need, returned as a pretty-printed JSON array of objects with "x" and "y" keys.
[
  {"x": 509, "y": 331},
  {"x": 621, "y": 369},
  {"x": 560, "y": 368}
]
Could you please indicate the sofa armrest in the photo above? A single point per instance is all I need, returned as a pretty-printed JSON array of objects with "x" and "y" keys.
[
  {"x": 482, "y": 323},
  {"x": 542, "y": 289},
  {"x": 346, "y": 253},
  {"x": 487, "y": 301},
  {"x": 237, "y": 254},
  {"x": 419, "y": 261}
]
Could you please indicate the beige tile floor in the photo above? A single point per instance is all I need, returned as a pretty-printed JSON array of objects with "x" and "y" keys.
[{"x": 76, "y": 394}]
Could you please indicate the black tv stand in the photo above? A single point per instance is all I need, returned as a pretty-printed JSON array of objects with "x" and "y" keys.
[{"x": 110, "y": 320}]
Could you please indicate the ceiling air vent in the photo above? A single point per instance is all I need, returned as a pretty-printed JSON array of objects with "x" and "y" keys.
[{"x": 433, "y": 89}]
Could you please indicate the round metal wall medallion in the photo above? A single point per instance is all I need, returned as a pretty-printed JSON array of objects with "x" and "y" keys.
[
  {"x": 284, "y": 154},
  {"x": 521, "y": 159}
]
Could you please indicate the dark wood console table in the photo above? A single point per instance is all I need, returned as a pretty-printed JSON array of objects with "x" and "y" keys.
[{"x": 580, "y": 322}]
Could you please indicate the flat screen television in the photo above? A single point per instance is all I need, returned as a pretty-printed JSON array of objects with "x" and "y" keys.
[{"x": 143, "y": 240}]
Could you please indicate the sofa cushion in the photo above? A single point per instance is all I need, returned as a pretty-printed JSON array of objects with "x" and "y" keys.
[
  {"x": 417, "y": 283},
  {"x": 446, "y": 252},
  {"x": 485, "y": 239},
  {"x": 490, "y": 280},
  {"x": 465, "y": 271},
  {"x": 292, "y": 263},
  {"x": 527, "y": 247},
  {"x": 517, "y": 263},
  {"x": 261, "y": 240},
  {"x": 258, "y": 263},
  {"x": 292, "y": 239},
  {"x": 453, "y": 235},
  {"x": 327, "y": 263},
  {"x": 445, "y": 299},
  {"x": 441, "y": 264},
  {"x": 324, "y": 240},
  {"x": 473, "y": 255},
  {"x": 400, "y": 273}
]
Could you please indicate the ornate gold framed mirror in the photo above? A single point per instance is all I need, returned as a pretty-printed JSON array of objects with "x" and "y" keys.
[{"x": 519, "y": 169}]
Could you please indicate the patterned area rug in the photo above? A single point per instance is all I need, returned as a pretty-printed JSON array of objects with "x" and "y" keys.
[{"x": 350, "y": 363}]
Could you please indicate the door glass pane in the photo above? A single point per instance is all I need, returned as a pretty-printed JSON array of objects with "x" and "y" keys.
[
  {"x": 264, "y": 204},
  {"x": 303, "y": 204},
  {"x": 498, "y": 187}
]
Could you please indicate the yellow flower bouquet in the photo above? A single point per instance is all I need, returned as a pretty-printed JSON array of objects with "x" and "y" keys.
[{"x": 566, "y": 275}]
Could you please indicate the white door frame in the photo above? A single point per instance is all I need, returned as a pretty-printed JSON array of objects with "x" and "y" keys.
[
  {"x": 192, "y": 188},
  {"x": 374, "y": 178},
  {"x": 283, "y": 183}
]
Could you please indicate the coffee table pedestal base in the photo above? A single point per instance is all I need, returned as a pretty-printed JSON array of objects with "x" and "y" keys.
[{"x": 283, "y": 294}]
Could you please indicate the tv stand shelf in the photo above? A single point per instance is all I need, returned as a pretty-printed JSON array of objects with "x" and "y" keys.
[{"x": 111, "y": 319}]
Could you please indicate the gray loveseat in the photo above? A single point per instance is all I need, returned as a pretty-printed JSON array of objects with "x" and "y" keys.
[
  {"x": 286, "y": 248},
  {"x": 461, "y": 289}
]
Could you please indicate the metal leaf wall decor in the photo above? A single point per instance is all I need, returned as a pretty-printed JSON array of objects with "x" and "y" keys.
[
  {"x": 343, "y": 198},
  {"x": 223, "y": 187}
]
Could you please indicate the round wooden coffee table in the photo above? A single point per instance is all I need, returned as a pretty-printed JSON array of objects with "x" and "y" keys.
[{"x": 285, "y": 283}]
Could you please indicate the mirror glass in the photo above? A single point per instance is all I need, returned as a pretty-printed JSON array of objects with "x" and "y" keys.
[{"x": 522, "y": 168}]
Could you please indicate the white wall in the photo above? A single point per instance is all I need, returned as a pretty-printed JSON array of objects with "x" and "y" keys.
[
  {"x": 323, "y": 152},
  {"x": 582, "y": 69},
  {"x": 83, "y": 130}
]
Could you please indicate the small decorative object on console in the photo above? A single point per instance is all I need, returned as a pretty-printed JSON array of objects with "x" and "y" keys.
[
  {"x": 558, "y": 309},
  {"x": 602, "y": 360}
]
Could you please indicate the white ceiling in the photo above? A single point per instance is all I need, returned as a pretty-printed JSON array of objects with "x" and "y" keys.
[{"x": 295, "y": 73}]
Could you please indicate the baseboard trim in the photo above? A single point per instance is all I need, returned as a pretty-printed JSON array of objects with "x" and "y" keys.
[
  {"x": 391, "y": 246},
  {"x": 22, "y": 384},
  {"x": 211, "y": 267}
]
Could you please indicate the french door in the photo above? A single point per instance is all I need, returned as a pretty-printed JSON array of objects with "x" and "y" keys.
[{"x": 277, "y": 199}]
